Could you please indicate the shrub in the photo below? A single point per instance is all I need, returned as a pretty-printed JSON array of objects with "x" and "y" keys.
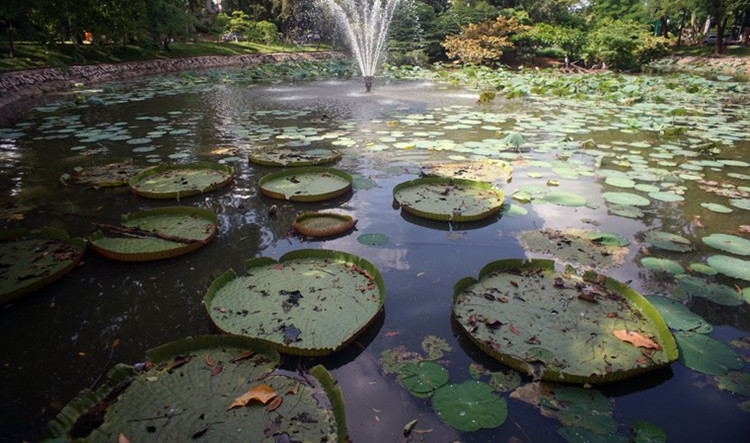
[
  {"x": 483, "y": 43},
  {"x": 623, "y": 45},
  {"x": 263, "y": 32}
]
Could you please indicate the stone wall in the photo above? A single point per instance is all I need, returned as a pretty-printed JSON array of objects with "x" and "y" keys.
[{"x": 19, "y": 85}]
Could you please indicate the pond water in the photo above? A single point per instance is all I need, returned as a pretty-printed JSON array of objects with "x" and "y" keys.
[{"x": 66, "y": 336}]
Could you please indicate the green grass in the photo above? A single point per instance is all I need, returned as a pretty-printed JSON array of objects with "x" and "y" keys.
[
  {"x": 33, "y": 55},
  {"x": 708, "y": 50}
]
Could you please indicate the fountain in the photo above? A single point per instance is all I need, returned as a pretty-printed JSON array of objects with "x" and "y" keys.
[{"x": 366, "y": 25}]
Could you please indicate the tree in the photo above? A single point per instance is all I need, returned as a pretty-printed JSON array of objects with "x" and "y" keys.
[
  {"x": 484, "y": 42},
  {"x": 631, "y": 10}
]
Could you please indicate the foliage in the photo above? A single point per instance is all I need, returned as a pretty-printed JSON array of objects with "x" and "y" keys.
[
  {"x": 483, "y": 43},
  {"x": 623, "y": 45},
  {"x": 570, "y": 40}
]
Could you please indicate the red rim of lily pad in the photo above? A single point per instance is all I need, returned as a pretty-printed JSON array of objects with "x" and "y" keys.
[{"x": 323, "y": 224}]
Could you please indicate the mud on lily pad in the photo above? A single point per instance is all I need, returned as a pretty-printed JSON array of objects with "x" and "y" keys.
[
  {"x": 30, "y": 260},
  {"x": 177, "y": 181},
  {"x": 561, "y": 327},
  {"x": 109, "y": 173},
  {"x": 448, "y": 199},
  {"x": 311, "y": 302},
  {"x": 219, "y": 388},
  {"x": 592, "y": 249}
]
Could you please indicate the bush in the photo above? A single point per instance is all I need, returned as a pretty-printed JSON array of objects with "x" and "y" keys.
[
  {"x": 417, "y": 57},
  {"x": 483, "y": 43},
  {"x": 263, "y": 32},
  {"x": 623, "y": 45}
]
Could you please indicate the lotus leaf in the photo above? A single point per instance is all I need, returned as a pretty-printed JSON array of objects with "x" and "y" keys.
[
  {"x": 625, "y": 199},
  {"x": 702, "y": 269},
  {"x": 728, "y": 243},
  {"x": 666, "y": 196},
  {"x": 620, "y": 182},
  {"x": 586, "y": 408},
  {"x": 730, "y": 266},
  {"x": 574, "y": 246},
  {"x": 512, "y": 210},
  {"x": 735, "y": 381},
  {"x": 197, "y": 378},
  {"x": 715, "y": 207},
  {"x": 678, "y": 316},
  {"x": 435, "y": 347},
  {"x": 448, "y": 199},
  {"x": 113, "y": 172},
  {"x": 423, "y": 378},
  {"x": 626, "y": 211},
  {"x": 307, "y": 184},
  {"x": 292, "y": 158},
  {"x": 310, "y": 302},
  {"x": 469, "y": 406},
  {"x": 546, "y": 323},
  {"x": 373, "y": 239},
  {"x": 705, "y": 354},
  {"x": 30, "y": 260},
  {"x": 577, "y": 434},
  {"x": 741, "y": 203},
  {"x": 645, "y": 432},
  {"x": 565, "y": 199},
  {"x": 715, "y": 292},
  {"x": 486, "y": 170},
  {"x": 166, "y": 182},
  {"x": 668, "y": 241},
  {"x": 156, "y": 234},
  {"x": 662, "y": 265},
  {"x": 608, "y": 238},
  {"x": 323, "y": 224}
]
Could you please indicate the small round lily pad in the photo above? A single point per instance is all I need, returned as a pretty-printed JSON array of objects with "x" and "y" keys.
[
  {"x": 309, "y": 302},
  {"x": 728, "y": 243},
  {"x": 730, "y": 266},
  {"x": 307, "y": 184},
  {"x": 542, "y": 322},
  {"x": 668, "y": 241},
  {"x": 156, "y": 234},
  {"x": 562, "y": 198},
  {"x": 448, "y": 199},
  {"x": 32, "y": 259},
  {"x": 662, "y": 265},
  {"x": 177, "y": 181},
  {"x": 625, "y": 199},
  {"x": 293, "y": 158},
  {"x": 423, "y": 378},
  {"x": 323, "y": 224},
  {"x": 373, "y": 239},
  {"x": 470, "y": 405}
]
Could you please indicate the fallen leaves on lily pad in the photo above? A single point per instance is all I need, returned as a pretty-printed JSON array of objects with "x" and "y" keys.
[
  {"x": 636, "y": 338},
  {"x": 261, "y": 393}
]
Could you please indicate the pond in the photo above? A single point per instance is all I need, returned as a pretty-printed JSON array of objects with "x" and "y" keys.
[{"x": 634, "y": 156}]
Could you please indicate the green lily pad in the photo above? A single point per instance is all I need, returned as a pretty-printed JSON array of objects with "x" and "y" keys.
[
  {"x": 730, "y": 266},
  {"x": 293, "y": 158},
  {"x": 512, "y": 210},
  {"x": 575, "y": 246},
  {"x": 373, "y": 239},
  {"x": 469, "y": 406},
  {"x": 30, "y": 260},
  {"x": 323, "y": 224},
  {"x": 542, "y": 322},
  {"x": 716, "y": 292},
  {"x": 666, "y": 196},
  {"x": 162, "y": 182},
  {"x": 565, "y": 199},
  {"x": 200, "y": 377},
  {"x": 668, "y": 241},
  {"x": 734, "y": 381},
  {"x": 586, "y": 408},
  {"x": 705, "y": 354},
  {"x": 645, "y": 432},
  {"x": 109, "y": 173},
  {"x": 156, "y": 234},
  {"x": 435, "y": 347},
  {"x": 700, "y": 268},
  {"x": 715, "y": 207},
  {"x": 625, "y": 199},
  {"x": 620, "y": 182},
  {"x": 728, "y": 243},
  {"x": 662, "y": 265},
  {"x": 577, "y": 434},
  {"x": 307, "y": 184},
  {"x": 310, "y": 302},
  {"x": 486, "y": 170},
  {"x": 608, "y": 239},
  {"x": 678, "y": 316},
  {"x": 423, "y": 378},
  {"x": 626, "y": 211},
  {"x": 741, "y": 203},
  {"x": 448, "y": 199}
]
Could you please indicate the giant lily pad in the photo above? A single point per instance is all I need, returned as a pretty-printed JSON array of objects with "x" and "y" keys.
[
  {"x": 560, "y": 326},
  {"x": 323, "y": 224},
  {"x": 705, "y": 354},
  {"x": 448, "y": 199},
  {"x": 30, "y": 260},
  {"x": 486, "y": 170},
  {"x": 728, "y": 243},
  {"x": 310, "y": 302},
  {"x": 291, "y": 158},
  {"x": 730, "y": 266},
  {"x": 156, "y": 234},
  {"x": 306, "y": 184},
  {"x": 470, "y": 405},
  {"x": 179, "y": 181},
  {"x": 576, "y": 246},
  {"x": 199, "y": 379},
  {"x": 112, "y": 172}
]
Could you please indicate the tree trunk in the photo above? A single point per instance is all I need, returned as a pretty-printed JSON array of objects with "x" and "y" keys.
[
  {"x": 721, "y": 24},
  {"x": 664, "y": 27},
  {"x": 11, "y": 49},
  {"x": 681, "y": 28}
]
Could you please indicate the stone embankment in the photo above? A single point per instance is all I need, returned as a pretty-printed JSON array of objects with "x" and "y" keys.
[{"x": 19, "y": 85}]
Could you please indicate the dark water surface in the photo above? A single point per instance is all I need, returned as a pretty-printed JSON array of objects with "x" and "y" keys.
[{"x": 60, "y": 340}]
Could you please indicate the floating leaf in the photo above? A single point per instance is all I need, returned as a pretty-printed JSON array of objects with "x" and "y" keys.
[
  {"x": 112, "y": 172},
  {"x": 741, "y": 203},
  {"x": 636, "y": 338},
  {"x": 577, "y": 434},
  {"x": 435, "y": 347},
  {"x": 626, "y": 211},
  {"x": 262, "y": 393},
  {"x": 486, "y": 170},
  {"x": 423, "y": 378},
  {"x": 608, "y": 239},
  {"x": 586, "y": 408},
  {"x": 668, "y": 241},
  {"x": 625, "y": 199},
  {"x": 705, "y": 354},
  {"x": 728, "y": 243},
  {"x": 715, "y": 207},
  {"x": 700, "y": 268},
  {"x": 734, "y": 381},
  {"x": 166, "y": 182},
  {"x": 662, "y": 265},
  {"x": 730, "y": 266},
  {"x": 469, "y": 406},
  {"x": 678, "y": 316},
  {"x": 307, "y": 184},
  {"x": 577, "y": 246},
  {"x": 645, "y": 432},
  {"x": 716, "y": 292},
  {"x": 373, "y": 239},
  {"x": 293, "y": 158},
  {"x": 666, "y": 196},
  {"x": 565, "y": 199},
  {"x": 323, "y": 224},
  {"x": 448, "y": 199}
]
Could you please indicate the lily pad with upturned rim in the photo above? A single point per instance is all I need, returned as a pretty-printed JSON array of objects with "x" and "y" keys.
[
  {"x": 177, "y": 181},
  {"x": 310, "y": 302},
  {"x": 445, "y": 199},
  {"x": 306, "y": 184},
  {"x": 109, "y": 173},
  {"x": 199, "y": 377},
  {"x": 293, "y": 158},
  {"x": 469, "y": 406},
  {"x": 157, "y": 234},
  {"x": 542, "y": 322},
  {"x": 32, "y": 259},
  {"x": 323, "y": 224}
]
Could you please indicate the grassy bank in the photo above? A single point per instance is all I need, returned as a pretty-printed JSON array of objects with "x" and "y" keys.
[{"x": 33, "y": 55}]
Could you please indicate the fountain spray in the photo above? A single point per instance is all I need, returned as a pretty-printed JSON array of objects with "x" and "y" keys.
[{"x": 365, "y": 23}]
